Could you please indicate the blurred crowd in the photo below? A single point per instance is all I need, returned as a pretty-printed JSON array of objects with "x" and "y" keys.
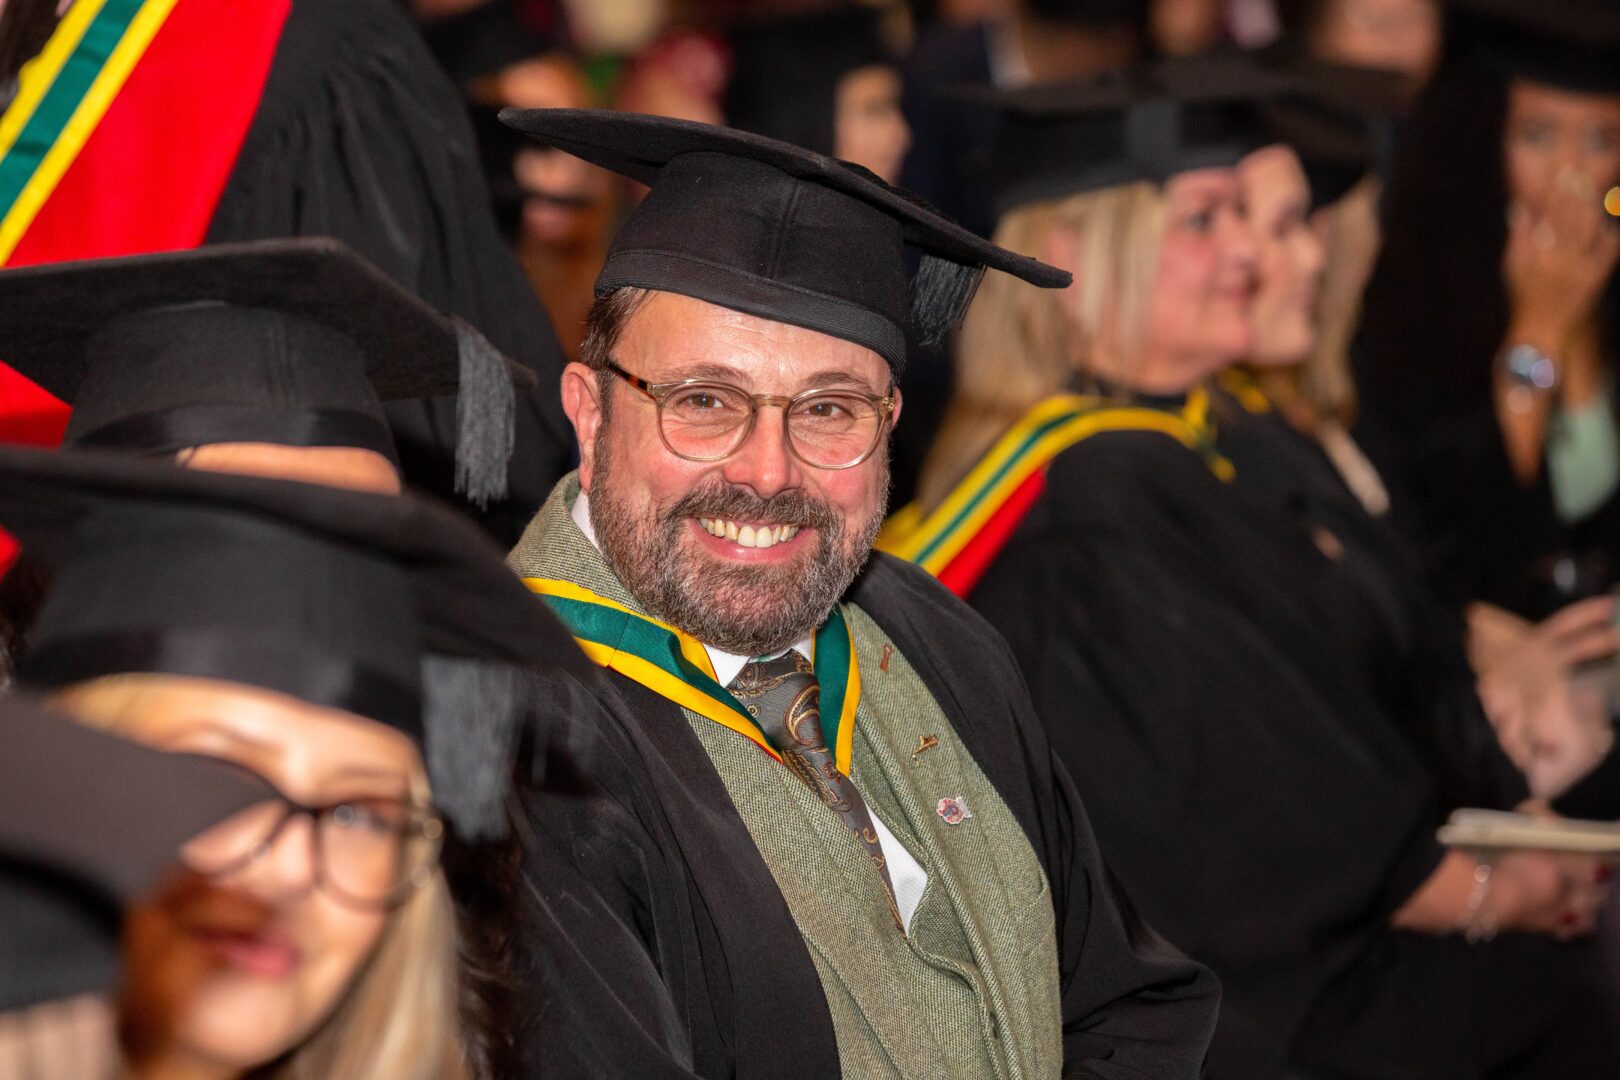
[{"x": 1241, "y": 372}]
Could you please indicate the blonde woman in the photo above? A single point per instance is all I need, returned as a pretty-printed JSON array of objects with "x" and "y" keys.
[
  {"x": 1222, "y": 685},
  {"x": 339, "y": 644}
]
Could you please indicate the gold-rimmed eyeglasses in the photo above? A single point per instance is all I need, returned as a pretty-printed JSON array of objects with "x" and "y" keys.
[{"x": 705, "y": 421}]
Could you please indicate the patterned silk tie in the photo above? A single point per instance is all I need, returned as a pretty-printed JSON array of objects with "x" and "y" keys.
[{"x": 784, "y": 697}]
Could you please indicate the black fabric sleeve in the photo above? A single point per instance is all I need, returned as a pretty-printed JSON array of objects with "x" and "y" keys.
[
  {"x": 1596, "y": 796},
  {"x": 592, "y": 967},
  {"x": 1455, "y": 497}
]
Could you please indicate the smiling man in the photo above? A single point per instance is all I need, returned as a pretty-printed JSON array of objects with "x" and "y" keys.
[{"x": 808, "y": 826}]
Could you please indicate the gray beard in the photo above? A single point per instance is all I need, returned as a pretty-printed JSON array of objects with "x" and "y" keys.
[{"x": 745, "y": 610}]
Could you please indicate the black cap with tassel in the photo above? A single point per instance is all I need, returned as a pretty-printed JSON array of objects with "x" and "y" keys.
[
  {"x": 295, "y": 342},
  {"x": 390, "y": 607},
  {"x": 774, "y": 230}
]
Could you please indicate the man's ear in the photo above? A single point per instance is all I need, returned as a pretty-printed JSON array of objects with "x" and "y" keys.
[
  {"x": 894, "y": 414},
  {"x": 582, "y": 402}
]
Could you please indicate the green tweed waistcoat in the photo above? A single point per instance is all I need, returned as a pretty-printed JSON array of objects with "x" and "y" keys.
[{"x": 971, "y": 990}]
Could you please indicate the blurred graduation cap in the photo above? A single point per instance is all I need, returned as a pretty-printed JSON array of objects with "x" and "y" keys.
[
  {"x": 786, "y": 71},
  {"x": 774, "y": 230},
  {"x": 1570, "y": 44},
  {"x": 391, "y": 607},
  {"x": 1146, "y": 123},
  {"x": 88, "y": 823},
  {"x": 1339, "y": 119},
  {"x": 293, "y": 341}
]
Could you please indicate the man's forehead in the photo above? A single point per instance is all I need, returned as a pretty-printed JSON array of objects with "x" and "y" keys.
[{"x": 676, "y": 336}]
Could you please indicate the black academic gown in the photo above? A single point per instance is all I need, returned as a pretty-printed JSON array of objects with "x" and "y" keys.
[
  {"x": 658, "y": 944},
  {"x": 1240, "y": 721},
  {"x": 1272, "y": 456},
  {"x": 360, "y": 136}
]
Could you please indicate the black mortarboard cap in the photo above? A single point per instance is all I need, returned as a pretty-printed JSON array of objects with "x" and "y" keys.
[
  {"x": 1339, "y": 119},
  {"x": 391, "y": 607},
  {"x": 281, "y": 341},
  {"x": 774, "y": 230},
  {"x": 1571, "y": 44},
  {"x": 88, "y": 822},
  {"x": 1146, "y": 123},
  {"x": 785, "y": 71}
]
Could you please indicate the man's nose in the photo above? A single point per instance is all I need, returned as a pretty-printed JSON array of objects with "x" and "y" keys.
[{"x": 764, "y": 463}]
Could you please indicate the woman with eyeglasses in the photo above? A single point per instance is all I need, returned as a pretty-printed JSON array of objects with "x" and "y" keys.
[
  {"x": 358, "y": 651},
  {"x": 1222, "y": 683}
]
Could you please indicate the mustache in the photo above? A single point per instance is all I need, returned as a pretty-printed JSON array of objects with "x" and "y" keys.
[{"x": 722, "y": 500}]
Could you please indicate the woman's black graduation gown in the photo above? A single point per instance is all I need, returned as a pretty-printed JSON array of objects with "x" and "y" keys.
[
  {"x": 658, "y": 945},
  {"x": 360, "y": 136},
  {"x": 1266, "y": 758}
]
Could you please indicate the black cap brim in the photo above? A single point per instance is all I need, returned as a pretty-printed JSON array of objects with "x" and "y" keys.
[
  {"x": 47, "y": 312},
  {"x": 103, "y": 809},
  {"x": 88, "y": 822},
  {"x": 468, "y": 603}
]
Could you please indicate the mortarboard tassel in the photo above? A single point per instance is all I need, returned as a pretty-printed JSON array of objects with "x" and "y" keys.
[
  {"x": 485, "y": 417},
  {"x": 940, "y": 294},
  {"x": 472, "y": 711}
]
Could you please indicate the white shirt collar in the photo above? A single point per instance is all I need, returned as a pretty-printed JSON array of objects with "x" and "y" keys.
[{"x": 726, "y": 665}]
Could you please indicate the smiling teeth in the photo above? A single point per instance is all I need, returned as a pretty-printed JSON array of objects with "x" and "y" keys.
[{"x": 750, "y": 536}]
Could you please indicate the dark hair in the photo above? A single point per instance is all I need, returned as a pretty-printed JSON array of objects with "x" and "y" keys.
[
  {"x": 1298, "y": 19},
  {"x": 25, "y": 27},
  {"x": 1095, "y": 14},
  {"x": 1436, "y": 306},
  {"x": 22, "y": 590},
  {"x": 604, "y": 325}
]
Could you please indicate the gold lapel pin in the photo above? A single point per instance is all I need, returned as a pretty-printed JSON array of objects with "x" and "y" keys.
[{"x": 924, "y": 742}]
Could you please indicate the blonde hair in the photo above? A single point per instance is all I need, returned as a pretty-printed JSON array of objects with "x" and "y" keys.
[
  {"x": 1020, "y": 344},
  {"x": 71, "y": 1039},
  {"x": 398, "y": 1020}
]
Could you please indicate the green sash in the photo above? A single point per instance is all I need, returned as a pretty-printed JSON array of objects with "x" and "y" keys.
[{"x": 675, "y": 665}]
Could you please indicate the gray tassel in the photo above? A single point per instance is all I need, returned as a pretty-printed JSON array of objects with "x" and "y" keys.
[
  {"x": 473, "y": 711},
  {"x": 485, "y": 418}
]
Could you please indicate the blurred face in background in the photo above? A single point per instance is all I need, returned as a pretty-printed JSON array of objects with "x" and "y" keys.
[
  {"x": 230, "y": 971},
  {"x": 1392, "y": 35},
  {"x": 869, "y": 128},
  {"x": 1558, "y": 142},
  {"x": 566, "y": 194},
  {"x": 1186, "y": 27},
  {"x": 1290, "y": 256},
  {"x": 1200, "y": 314}
]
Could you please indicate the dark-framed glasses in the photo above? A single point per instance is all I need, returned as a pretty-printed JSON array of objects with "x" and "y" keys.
[
  {"x": 700, "y": 420},
  {"x": 371, "y": 852}
]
